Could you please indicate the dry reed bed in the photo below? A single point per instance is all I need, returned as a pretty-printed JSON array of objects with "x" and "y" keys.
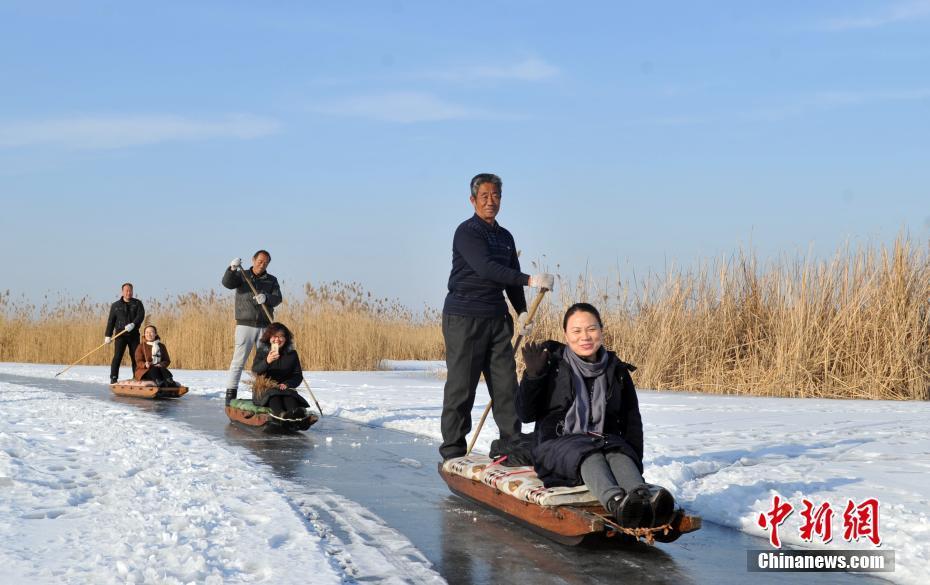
[
  {"x": 337, "y": 327},
  {"x": 854, "y": 326}
]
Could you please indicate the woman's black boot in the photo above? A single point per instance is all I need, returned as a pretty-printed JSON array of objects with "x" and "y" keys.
[
  {"x": 230, "y": 395},
  {"x": 631, "y": 510},
  {"x": 662, "y": 504}
]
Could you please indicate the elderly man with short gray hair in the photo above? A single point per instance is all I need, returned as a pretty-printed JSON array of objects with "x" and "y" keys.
[{"x": 476, "y": 325}]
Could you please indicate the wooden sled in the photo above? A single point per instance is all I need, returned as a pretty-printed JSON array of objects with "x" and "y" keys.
[
  {"x": 243, "y": 412},
  {"x": 570, "y": 525},
  {"x": 146, "y": 389}
]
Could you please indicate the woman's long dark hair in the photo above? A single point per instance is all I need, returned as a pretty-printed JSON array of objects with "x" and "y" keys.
[
  {"x": 274, "y": 329},
  {"x": 581, "y": 308}
]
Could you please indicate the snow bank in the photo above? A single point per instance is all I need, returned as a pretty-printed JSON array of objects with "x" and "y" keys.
[{"x": 104, "y": 493}]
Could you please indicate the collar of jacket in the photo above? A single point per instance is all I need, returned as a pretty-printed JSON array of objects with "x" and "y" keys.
[{"x": 484, "y": 225}]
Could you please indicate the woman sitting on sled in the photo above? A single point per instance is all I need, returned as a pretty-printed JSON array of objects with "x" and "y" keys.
[
  {"x": 152, "y": 359},
  {"x": 588, "y": 426},
  {"x": 277, "y": 372}
]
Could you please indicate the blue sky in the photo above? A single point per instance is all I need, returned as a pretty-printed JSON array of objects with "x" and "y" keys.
[{"x": 153, "y": 143}]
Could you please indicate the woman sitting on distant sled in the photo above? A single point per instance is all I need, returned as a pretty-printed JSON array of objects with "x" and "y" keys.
[
  {"x": 588, "y": 426},
  {"x": 277, "y": 372},
  {"x": 152, "y": 359}
]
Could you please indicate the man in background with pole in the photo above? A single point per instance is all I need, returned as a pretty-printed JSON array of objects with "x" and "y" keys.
[
  {"x": 127, "y": 315},
  {"x": 251, "y": 318},
  {"x": 476, "y": 325}
]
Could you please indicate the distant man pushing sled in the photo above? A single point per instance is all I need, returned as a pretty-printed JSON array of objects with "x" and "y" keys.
[
  {"x": 250, "y": 317},
  {"x": 126, "y": 316}
]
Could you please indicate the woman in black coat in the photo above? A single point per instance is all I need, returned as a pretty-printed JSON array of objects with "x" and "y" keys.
[
  {"x": 277, "y": 360},
  {"x": 588, "y": 426}
]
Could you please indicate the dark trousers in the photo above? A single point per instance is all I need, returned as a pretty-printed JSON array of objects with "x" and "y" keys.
[
  {"x": 475, "y": 346},
  {"x": 282, "y": 404},
  {"x": 157, "y": 375},
  {"x": 130, "y": 340}
]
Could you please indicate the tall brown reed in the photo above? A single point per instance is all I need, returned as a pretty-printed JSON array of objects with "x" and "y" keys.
[
  {"x": 854, "y": 326},
  {"x": 337, "y": 326}
]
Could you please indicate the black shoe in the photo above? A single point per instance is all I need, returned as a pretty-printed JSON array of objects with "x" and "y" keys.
[
  {"x": 231, "y": 395},
  {"x": 662, "y": 503},
  {"x": 112, "y": 379},
  {"x": 631, "y": 510}
]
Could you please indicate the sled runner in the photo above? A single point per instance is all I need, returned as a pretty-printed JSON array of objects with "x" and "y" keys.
[
  {"x": 146, "y": 389},
  {"x": 568, "y": 515},
  {"x": 244, "y": 412}
]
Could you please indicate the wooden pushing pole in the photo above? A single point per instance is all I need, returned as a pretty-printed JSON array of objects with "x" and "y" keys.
[
  {"x": 516, "y": 345},
  {"x": 248, "y": 281},
  {"x": 80, "y": 359}
]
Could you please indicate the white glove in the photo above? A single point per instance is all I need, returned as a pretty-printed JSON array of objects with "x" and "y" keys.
[
  {"x": 129, "y": 327},
  {"x": 523, "y": 328},
  {"x": 259, "y": 298},
  {"x": 235, "y": 263},
  {"x": 107, "y": 339},
  {"x": 542, "y": 280}
]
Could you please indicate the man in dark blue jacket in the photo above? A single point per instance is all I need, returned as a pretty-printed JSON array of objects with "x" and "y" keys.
[
  {"x": 127, "y": 315},
  {"x": 476, "y": 325}
]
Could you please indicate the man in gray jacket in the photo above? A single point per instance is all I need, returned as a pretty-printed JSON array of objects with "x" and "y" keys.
[{"x": 250, "y": 316}]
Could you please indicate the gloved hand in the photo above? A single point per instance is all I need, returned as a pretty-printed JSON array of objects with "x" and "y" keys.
[
  {"x": 107, "y": 339},
  {"x": 536, "y": 358},
  {"x": 542, "y": 280},
  {"x": 129, "y": 327},
  {"x": 259, "y": 298},
  {"x": 235, "y": 263},
  {"x": 523, "y": 328}
]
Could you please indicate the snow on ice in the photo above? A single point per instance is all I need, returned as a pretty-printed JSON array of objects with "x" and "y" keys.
[{"x": 724, "y": 458}]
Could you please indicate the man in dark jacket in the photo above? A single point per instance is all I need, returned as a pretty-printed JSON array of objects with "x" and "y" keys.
[
  {"x": 127, "y": 315},
  {"x": 476, "y": 325},
  {"x": 251, "y": 319}
]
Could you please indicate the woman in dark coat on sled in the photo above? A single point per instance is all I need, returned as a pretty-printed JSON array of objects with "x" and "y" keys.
[
  {"x": 588, "y": 426},
  {"x": 277, "y": 360}
]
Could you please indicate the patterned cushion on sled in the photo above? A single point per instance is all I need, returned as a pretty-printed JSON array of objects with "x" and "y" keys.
[
  {"x": 520, "y": 482},
  {"x": 249, "y": 406}
]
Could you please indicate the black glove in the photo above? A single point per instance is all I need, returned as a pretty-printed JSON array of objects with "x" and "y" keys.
[{"x": 536, "y": 358}]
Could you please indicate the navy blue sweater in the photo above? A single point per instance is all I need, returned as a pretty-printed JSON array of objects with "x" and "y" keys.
[{"x": 484, "y": 264}]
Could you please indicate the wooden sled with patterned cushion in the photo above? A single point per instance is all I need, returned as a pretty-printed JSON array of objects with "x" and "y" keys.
[
  {"x": 146, "y": 389},
  {"x": 246, "y": 413},
  {"x": 568, "y": 515}
]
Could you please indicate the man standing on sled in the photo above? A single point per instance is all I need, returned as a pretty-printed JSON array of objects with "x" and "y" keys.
[
  {"x": 476, "y": 325},
  {"x": 127, "y": 315},
  {"x": 250, "y": 317}
]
